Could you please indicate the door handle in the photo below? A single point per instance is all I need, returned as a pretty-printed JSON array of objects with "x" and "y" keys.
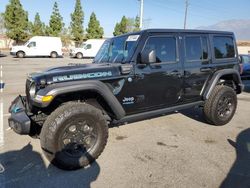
[{"x": 206, "y": 69}]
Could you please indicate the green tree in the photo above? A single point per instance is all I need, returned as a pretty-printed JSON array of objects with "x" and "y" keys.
[
  {"x": 38, "y": 27},
  {"x": 117, "y": 30},
  {"x": 76, "y": 24},
  {"x": 56, "y": 22},
  {"x": 127, "y": 25},
  {"x": 66, "y": 37},
  {"x": 16, "y": 21},
  {"x": 94, "y": 30},
  {"x": 122, "y": 27},
  {"x": 2, "y": 28},
  {"x": 137, "y": 24}
]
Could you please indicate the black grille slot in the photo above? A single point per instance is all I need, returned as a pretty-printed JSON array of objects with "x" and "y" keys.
[{"x": 28, "y": 84}]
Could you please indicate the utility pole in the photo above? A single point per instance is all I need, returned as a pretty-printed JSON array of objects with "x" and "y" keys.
[
  {"x": 141, "y": 13},
  {"x": 185, "y": 19}
]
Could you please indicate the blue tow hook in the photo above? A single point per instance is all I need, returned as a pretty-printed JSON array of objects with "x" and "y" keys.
[{"x": 16, "y": 109}]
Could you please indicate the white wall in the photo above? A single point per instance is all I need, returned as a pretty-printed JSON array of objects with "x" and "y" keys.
[{"x": 244, "y": 49}]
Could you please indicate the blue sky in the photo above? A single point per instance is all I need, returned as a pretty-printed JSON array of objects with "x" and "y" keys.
[{"x": 157, "y": 13}]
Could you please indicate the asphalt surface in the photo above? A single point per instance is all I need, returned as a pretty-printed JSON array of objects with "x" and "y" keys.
[{"x": 176, "y": 150}]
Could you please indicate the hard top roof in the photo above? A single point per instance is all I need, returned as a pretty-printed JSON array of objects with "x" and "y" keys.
[
  {"x": 185, "y": 31},
  {"x": 178, "y": 31}
]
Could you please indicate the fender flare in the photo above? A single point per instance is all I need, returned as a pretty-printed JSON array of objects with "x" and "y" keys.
[
  {"x": 89, "y": 85},
  {"x": 215, "y": 78}
]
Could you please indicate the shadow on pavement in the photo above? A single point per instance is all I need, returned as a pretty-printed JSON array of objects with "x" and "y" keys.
[
  {"x": 26, "y": 168},
  {"x": 2, "y": 55},
  {"x": 239, "y": 174},
  {"x": 194, "y": 113}
]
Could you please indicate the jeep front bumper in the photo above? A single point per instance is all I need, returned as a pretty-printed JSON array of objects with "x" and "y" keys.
[{"x": 19, "y": 121}]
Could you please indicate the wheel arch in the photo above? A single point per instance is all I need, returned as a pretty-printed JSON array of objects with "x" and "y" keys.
[
  {"x": 21, "y": 51},
  {"x": 79, "y": 53},
  {"x": 92, "y": 92},
  {"x": 54, "y": 52},
  {"x": 230, "y": 77}
]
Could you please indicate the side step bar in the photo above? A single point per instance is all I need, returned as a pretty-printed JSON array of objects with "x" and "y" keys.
[{"x": 155, "y": 113}]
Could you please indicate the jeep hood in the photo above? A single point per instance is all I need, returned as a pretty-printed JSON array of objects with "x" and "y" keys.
[{"x": 78, "y": 72}]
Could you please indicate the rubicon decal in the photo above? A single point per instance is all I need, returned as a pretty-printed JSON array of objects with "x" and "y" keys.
[{"x": 82, "y": 76}]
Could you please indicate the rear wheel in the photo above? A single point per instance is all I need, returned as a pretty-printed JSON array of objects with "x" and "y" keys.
[
  {"x": 20, "y": 54},
  {"x": 219, "y": 109},
  {"x": 53, "y": 55},
  {"x": 74, "y": 135},
  {"x": 79, "y": 55}
]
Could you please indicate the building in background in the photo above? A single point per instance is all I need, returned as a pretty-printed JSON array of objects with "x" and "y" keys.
[
  {"x": 243, "y": 47},
  {"x": 5, "y": 42}
]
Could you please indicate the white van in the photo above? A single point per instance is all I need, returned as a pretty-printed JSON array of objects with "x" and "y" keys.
[
  {"x": 39, "y": 46},
  {"x": 87, "y": 49}
]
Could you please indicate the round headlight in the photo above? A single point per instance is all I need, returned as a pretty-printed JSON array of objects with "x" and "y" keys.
[{"x": 32, "y": 90}]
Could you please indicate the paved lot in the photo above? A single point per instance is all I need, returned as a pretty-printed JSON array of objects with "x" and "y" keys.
[{"x": 177, "y": 150}]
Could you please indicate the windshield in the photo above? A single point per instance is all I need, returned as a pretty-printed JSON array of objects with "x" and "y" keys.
[
  {"x": 26, "y": 43},
  {"x": 119, "y": 49},
  {"x": 83, "y": 45}
]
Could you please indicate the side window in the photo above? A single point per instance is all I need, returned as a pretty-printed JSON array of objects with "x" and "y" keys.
[
  {"x": 164, "y": 47},
  {"x": 245, "y": 59},
  {"x": 196, "y": 48},
  {"x": 88, "y": 46},
  {"x": 32, "y": 44},
  {"x": 204, "y": 48},
  {"x": 223, "y": 47}
]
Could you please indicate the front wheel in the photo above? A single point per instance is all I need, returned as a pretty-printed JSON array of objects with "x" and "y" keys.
[
  {"x": 79, "y": 55},
  {"x": 74, "y": 135},
  {"x": 20, "y": 54},
  {"x": 53, "y": 55},
  {"x": 220, "y": 108}
]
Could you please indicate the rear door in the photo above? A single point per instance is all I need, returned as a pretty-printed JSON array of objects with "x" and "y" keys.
[{"x": 196, "y": 60}]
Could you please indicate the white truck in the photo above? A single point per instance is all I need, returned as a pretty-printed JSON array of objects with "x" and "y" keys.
[
  {"x": 88, "y": 49},
  {"x": 39, "y": 46}
]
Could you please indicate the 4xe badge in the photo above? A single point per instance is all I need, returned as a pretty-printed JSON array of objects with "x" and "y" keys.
[{"x": 128, "y": 100}]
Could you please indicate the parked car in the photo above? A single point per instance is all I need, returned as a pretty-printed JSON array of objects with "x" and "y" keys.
[
  {"x": 133, "y": 77},
  {"x": 88, "y": 49},
  {"x": 39, "y": 46},
  {"x": 245, "y": 66}
]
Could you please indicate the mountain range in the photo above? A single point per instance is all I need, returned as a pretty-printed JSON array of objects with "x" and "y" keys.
[{"x": 241, "y": 27}]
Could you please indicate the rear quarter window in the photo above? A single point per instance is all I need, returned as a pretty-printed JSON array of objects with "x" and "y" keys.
[{"x": 224, "y": 47}]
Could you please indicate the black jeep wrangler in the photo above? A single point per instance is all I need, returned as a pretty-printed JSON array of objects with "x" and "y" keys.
[{"x": 133, "y": 77}]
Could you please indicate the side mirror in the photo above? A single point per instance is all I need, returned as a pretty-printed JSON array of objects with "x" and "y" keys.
[
  {"x": 148, "y": 57},
  {"x": 240, "y": 59}
]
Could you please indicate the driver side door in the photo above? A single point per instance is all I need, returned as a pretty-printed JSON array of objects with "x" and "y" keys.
[
  {"x": 32, "y": 49},
  {"x": 157, "y": 84}
]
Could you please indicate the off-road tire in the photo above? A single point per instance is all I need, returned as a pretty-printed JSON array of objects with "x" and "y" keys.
[
  {"x": 20, "y": 54},
  {"x": 213, "y": 104},
  {"x": 56, "y": 125},
  {"x": 79, "y": 55},
  {"x": 53, "y": 55}
]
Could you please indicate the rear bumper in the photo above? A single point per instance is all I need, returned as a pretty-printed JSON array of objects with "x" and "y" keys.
[
  {"x": 19, "y": 121},
  {"x": 13, "y": 53}
]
